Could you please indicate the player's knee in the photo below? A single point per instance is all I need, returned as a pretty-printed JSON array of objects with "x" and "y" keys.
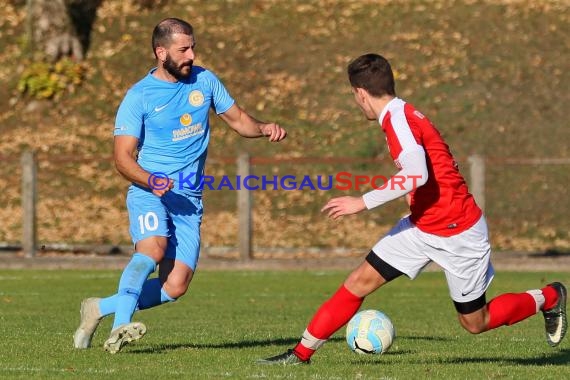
[
  {"x": 358, "y": 284},
  {"x": 363, "y": 281},
  {"x": 177, "y": 293},
  {"x": 176, "y": 289},
  {"x": 473, "y": 315},
  {"x": 178, "y": 280},
  {"x": 474, "y": 327}
]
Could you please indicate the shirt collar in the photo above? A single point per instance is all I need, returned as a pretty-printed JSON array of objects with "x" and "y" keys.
[{"x": 390, "y": 105}]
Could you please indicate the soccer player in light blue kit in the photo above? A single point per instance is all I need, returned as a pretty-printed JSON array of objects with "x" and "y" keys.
[{"x": 161, "y": 141}]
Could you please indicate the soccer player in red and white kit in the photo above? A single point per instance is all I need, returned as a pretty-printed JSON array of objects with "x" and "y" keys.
[{"x": 445, "y": 226}]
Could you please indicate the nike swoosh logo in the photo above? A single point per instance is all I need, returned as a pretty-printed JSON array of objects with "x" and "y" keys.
[{"x": 158, "y": 109}]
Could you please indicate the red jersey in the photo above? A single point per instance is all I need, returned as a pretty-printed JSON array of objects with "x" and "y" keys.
[{"x": 443, "y": 205}]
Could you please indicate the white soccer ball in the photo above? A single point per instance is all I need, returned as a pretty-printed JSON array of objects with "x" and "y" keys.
[{"x": 370, "y": 332}]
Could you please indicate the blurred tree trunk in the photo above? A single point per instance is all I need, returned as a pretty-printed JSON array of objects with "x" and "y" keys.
[{"x": 60, "y": 28}]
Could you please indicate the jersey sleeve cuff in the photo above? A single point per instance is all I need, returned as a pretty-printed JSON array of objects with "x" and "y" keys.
[{"x": 369, "y": 200}]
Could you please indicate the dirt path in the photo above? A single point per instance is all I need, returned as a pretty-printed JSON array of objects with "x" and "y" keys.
[{"x": 512, "y": 261}]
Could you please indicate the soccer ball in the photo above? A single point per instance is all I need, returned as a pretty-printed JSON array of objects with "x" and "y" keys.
[{"x": 370, "y": 332}]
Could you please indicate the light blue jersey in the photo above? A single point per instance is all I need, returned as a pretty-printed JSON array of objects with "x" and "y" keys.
[{"x": 171, "y": 122}]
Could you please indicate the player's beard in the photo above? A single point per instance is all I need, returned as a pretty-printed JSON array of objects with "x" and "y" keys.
[{"x": 178, "y": 71}]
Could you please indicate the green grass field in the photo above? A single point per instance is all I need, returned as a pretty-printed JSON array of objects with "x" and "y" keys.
[{"x": 229, "y": 319}]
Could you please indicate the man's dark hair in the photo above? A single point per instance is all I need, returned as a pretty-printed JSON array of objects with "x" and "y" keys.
[
  {"x": 373, "y": 73},
  {"x": 163, "y": 31}
]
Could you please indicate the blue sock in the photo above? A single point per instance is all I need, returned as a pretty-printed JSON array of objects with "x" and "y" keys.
[
  {"x": 164, "y": 297},
  {"x": 130, "y": 286},
  {"x": 108, "y": 305},
  {"x": 152, "y": 294}
]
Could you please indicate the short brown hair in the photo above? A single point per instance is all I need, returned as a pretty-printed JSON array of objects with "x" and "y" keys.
[
  {"x": 166, "y": 28},
  {"x": 373, "y": 73}
]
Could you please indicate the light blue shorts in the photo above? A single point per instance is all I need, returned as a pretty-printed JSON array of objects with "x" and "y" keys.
[{"x": 174, "y": 215}]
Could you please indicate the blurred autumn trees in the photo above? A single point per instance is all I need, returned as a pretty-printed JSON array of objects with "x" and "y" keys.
[
  {"x": 57, "y": 39},
  {"x": 491, "y": 74},
  {"x": 59, "y": 28},
  {"x": 62, "y": 28}
]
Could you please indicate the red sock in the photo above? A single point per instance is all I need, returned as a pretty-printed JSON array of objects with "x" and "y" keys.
[
  {"x": 550, "y": 297},
  {"x": 510, "y": 308},
  {"x": 330, "y": 317}
]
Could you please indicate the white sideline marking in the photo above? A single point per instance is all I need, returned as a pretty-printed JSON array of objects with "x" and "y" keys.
[
  {"x": 19, "y": 294},
  {"x": 10, "y": 278},
  {"x": 62, "y": 370}
]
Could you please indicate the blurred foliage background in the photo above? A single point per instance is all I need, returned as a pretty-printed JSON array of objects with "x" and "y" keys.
[{"x": 492, "y": 75}]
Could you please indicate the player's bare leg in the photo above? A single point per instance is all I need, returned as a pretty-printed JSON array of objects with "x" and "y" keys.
[{"x": 175, "y": 277}]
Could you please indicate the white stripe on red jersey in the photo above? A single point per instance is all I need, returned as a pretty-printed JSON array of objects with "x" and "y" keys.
[{"x": 443, "y": 205}]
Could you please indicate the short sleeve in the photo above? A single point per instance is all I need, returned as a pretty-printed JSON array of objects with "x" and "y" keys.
[
  {"x": 222, "y": 100},
  {"x": 130, "y": 115}
]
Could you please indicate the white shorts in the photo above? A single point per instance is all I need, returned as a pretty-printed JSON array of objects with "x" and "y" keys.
[{"x": 464, "y": 257}]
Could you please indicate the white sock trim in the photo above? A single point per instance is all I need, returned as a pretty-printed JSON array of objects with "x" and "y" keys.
[
  {"x": 538, "y": 298},
  {"x": 309, "y": 341}
]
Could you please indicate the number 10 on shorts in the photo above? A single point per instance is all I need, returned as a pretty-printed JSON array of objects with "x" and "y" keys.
[{"x": 148, "y": 222}]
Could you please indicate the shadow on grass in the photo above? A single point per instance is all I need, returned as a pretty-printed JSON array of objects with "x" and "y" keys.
[
  {"x": 254, "y": 343},
  {"x": 230, "y": 345},
  {"x": 428, "y": 338},
  {"x": 561, "y": 357}
]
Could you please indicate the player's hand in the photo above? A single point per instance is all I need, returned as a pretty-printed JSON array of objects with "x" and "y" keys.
[
  {"x": 160, "y": 185},
  {"x": 161, "y": 192},
  {"x": 340, "y": 206},
  {"x": 273, "y": 131}
]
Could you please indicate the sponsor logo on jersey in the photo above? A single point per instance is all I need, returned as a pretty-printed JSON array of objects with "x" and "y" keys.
[
  {"x": 196, "y": 98},
  {"x": 186, "y": 119},
  {"x": 187, "y": 131}
]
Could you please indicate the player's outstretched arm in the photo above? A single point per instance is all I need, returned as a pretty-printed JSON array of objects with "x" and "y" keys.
[{"x": 247, "y": 126}]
